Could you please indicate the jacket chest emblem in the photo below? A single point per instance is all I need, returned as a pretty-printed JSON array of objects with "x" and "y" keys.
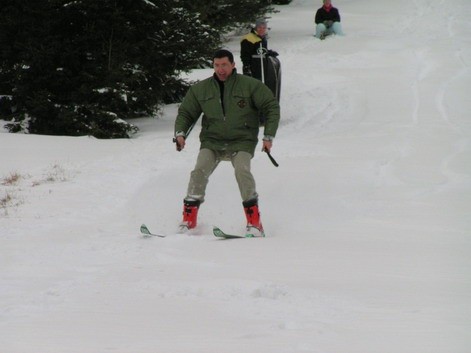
[{"x": 242, "y": 103}]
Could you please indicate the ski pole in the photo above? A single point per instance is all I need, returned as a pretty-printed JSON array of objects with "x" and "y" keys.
[
  {"x": 260, "y": 51},
  {"x": 271, "y": 158}
]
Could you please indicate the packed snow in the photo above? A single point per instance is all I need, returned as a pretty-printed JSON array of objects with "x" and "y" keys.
[{"x": 367, "y": 218}]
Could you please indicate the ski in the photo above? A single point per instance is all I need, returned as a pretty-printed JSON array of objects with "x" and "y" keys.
[
  {"x": 147, "y": 233},
  {"x": 252, "y": 232}
]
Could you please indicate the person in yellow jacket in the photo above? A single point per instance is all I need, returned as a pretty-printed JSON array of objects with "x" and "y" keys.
[{"x": 254, "y": 48}]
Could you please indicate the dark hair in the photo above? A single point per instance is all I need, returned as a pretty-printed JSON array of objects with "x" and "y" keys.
[{"x": 223, "y": 53}]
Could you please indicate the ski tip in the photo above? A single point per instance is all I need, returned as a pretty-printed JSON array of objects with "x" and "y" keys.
[
  {"x": 144, "y": 229},
  {"x": 220, "y": 234},
  {"x": 146, "y": 233}
]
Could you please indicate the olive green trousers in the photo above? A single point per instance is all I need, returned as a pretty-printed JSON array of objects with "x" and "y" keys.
[{"x": 207, "y": 162}]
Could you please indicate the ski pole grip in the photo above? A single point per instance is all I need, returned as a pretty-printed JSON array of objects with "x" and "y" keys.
[{"x": 272, "y": 159}]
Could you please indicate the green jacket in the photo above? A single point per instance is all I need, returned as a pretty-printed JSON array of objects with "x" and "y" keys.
[{"x": 231, "y": 123}]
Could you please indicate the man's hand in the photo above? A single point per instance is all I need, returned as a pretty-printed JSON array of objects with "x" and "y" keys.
[
  {"x": 267, "y": 146},
  {"x": 180, "y": 143}
]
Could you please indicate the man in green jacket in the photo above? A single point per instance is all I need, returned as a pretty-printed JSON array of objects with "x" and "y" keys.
[{"x": 231, "y": 104}]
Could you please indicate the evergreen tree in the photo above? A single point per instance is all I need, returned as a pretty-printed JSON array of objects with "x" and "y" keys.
[
  {"x": 224, "y": 15},
  {"x": 82, "y": 67},
  {"x": 281, "y": 2}
]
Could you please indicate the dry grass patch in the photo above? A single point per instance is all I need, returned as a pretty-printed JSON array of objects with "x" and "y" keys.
[
  {"x": 5, "y": 200},
  {"x": 12, "y": 179}
]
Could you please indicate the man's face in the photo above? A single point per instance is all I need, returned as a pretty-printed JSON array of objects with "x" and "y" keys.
[{"x": 223, "y": 68}]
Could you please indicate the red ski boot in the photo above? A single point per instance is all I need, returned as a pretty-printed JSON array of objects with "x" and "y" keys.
[
  {"x": 190, "y": 214},
  {"x": 254, "y": 224}
]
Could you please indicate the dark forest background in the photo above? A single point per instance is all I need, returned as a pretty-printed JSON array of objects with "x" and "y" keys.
[{"x": 87, "y": 67}]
